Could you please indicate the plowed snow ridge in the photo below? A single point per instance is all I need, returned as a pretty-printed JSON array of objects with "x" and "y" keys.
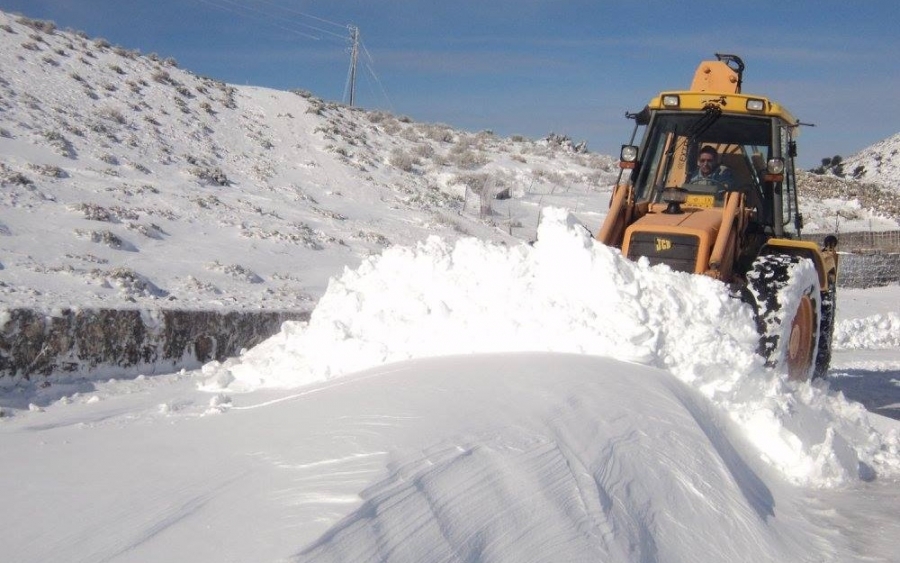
[{"x": 565, "y": 293}]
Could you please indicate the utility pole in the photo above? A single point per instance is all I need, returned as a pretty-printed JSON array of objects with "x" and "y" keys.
[{"x": 354, "y": 55}]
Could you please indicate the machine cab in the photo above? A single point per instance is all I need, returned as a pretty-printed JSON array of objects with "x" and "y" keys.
[{"x": 752, "y": 137}]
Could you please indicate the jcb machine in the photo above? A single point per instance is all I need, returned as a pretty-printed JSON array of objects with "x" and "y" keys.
[{"x": 734, "y": 219}]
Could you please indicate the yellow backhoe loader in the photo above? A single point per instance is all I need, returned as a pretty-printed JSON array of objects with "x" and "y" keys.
[{"x": 738, "y": 223}]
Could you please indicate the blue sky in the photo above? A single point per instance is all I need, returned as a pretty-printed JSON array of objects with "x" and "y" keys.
[{"x": 528, "y": 66}]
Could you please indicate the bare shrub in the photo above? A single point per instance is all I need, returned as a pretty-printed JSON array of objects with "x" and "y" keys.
[
  {"x": 109, "y": 159},
  {"x": 102, "y": 43},
  {"x": 467, "y": 159},
  {"x": 139, "y": 167},
  {"x": 439, "y": 133},
  {"x": 410, "y": 134},
  {"x": 423, "y": 150},
  {"x": 15, "y": 179},
  {"x": 93, "y": 212},
  {"x": 236, "y": 271},
  {"x": 44, "y": 26},
  {"x": 49, "y": 170},
  {"x": 60, "y": 143},
  {"x": 30, "y": 101},
  {"x": 551, "y": 177},
  {"x": 126, "y": 53},
  {"x": 392, "y": 127},
  {"x": 133, "y": 284},
  {"x": 211, "y": 175},
  {"x": 402, "y": 160},
  {"x": 150, "y": 231},
  {"x": 377, "y": 116},
  {"x": 117, "y": 69},
  {"x": 566, "y": 143},
  {"x": 7, "y": 28},
  {"x": 182, "y": 105},
  {"x": 112, "y": 114},
  {"x": 31, "y": 46},
  {"x": 162, "y": 77},
  {"x": 106, "y": 238},
  {"x": 376, "y": 238},
  {"x": 229, "y": 101}
]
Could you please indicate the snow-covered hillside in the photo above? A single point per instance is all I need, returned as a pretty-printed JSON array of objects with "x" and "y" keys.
[
  {"x": 143, "y": 182},
  {"x": 879, "y": 163}
]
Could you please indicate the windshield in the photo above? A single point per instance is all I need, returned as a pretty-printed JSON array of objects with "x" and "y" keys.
[{"x": 672, "y": 148}]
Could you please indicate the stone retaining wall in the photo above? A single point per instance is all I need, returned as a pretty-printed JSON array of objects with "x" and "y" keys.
[
  {"x": 868, "y": 270},
  {"x": 866, "y": 258},
  {"x": 36, "y": 344}
]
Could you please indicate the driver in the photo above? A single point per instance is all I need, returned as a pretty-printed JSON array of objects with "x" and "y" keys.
[{"x": 709, "y": 171}]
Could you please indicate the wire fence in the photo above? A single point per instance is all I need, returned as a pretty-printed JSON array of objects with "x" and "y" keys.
[{"x": 867, "y": 258}]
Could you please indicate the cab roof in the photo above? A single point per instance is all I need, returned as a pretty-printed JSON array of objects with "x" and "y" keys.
[{"x": 689, "y": 100}]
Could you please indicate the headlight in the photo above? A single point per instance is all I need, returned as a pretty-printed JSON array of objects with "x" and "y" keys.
[
  {"x": 774, "y": 170},
  {"x": 756, "y": 105},
  {"x": 671, "y": 101},
  {"x": 628, "y": 153}
]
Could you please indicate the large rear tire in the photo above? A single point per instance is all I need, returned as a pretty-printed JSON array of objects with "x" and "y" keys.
[
  {"x": 826, "y": 331},
  {"x": 788, "y": 301}
]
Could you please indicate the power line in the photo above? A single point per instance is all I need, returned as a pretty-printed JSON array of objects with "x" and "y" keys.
[
  {"x": 304, "y": 14},
  {"x": 245, "y": 10},
  {"x": 276, "y": 20},
  {"x": 223, "y": 5},
  {"x": 375, "y": 76}
]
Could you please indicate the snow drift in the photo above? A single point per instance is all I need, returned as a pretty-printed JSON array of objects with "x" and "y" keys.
[{"x": 566, "y": 293}]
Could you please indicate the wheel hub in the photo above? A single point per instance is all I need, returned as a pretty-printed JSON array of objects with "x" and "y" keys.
[{"x": 800, "y": 344}]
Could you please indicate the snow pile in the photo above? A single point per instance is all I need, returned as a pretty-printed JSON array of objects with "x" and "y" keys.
[
  {"x": 876, "y": 331},
  {"x": 566, "y": 294},
  {"x": 563, "y": 294},
  {"x": 877, "y": 163}
]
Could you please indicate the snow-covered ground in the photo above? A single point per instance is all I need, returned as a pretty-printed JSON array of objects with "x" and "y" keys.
[
  {"x": 468, "y": 397},
  {"x": 475, "y": 402}
]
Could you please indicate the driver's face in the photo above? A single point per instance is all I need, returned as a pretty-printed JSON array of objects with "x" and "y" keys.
[{"x": 707, "y": 163}]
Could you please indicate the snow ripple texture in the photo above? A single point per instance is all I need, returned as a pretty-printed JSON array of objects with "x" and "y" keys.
[{"x": 565, "y": 293}]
